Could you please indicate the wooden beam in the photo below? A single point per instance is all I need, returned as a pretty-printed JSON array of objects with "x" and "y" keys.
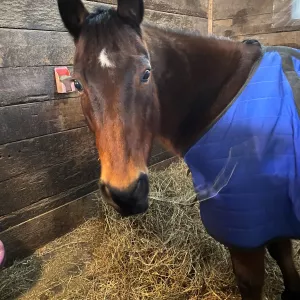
[
  {"x": 260, "y": 24},
  {"x": 45, "y": 151},
  {"x": 19, "y": 14},
  {"x": 47, "y": 204},
  {"x": 19, "y": 122},
  {"x": 194, "y": 8},
  {"x": 22, "y": 240},
  {"x": 156, "y": 158},
  {"x": 35, "y": 48},
  {"x": 176, "y": 21},
  {"x": 33, "y": 186},
  {"x": 240, "y": 10},
  {"x": 29, "y": 84}
]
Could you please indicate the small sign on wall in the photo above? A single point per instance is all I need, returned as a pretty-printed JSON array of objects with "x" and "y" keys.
[{"x": 63, "y": 79}]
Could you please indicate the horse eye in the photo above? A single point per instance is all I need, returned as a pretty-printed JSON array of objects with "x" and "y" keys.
[
  {"x": 146, "y": 75},
  {"x": 78, "y": 85}
]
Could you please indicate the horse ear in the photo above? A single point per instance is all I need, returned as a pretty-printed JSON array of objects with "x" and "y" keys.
[
  {"x": 73, "y": 14},
  {"x": 131, "y": 10}
]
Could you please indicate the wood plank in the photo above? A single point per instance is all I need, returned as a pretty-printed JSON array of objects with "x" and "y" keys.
[
  {"x": 36, "y": 184},
  {"x": 46, "y": 205},
  {"x": 22, "y": 240},
  {"x": 24, "y": 121},
  {"x": 54, "y": 156},
  {"x": 254, "y": 25},
  {"x": 291, "y": 39},
  {"x": 184, "y": 7},
  {"x": 43, "y": 14},
  {"x": 45, "y": 151},
  {"x": 28, "y": 84},
  {"x": 26, "y": 189},
  {"x": 38, "y": 15},
  {"x": 175, "y": 21},
  {"x": 35, "y": 48},
  {"x": 168, "y": 19},
  {"x": 172, "y": 19},
  {"x": 154, "y": 159},
  {"x": 239, "y": 10}
]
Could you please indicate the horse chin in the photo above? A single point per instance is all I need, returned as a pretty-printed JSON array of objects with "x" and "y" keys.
[{"x": 137, "y": 210}]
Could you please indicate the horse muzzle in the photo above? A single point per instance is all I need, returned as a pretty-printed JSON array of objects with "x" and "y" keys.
[{"x": 131, "y": 201}]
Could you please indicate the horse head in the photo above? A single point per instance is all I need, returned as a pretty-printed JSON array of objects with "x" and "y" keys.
[{"x": 112, "y": 68}]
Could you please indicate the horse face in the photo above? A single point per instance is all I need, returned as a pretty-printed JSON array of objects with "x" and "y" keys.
[{"x": 119, "y": 98}]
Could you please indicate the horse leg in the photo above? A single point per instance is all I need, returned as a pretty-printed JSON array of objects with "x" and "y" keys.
[
  {"x": 249, "y": 270},
  {"x": 282, "y": 252}
]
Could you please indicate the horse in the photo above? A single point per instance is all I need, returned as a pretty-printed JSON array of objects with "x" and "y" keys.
[{"x": 207, "y": 100}]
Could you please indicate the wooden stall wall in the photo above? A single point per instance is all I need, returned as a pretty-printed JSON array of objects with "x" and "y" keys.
[
  {"x": 48, "y": 161},
  {"x": 269, "y": 21}
]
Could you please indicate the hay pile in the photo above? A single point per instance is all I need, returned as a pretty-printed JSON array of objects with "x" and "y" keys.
[{"x": 164, "y": 254}]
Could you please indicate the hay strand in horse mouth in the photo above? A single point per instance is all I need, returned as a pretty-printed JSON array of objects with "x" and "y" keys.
[{"x": 162, "y": 255}]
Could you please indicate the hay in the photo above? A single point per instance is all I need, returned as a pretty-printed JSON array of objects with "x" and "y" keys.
[{"x": 164, "y": 254}]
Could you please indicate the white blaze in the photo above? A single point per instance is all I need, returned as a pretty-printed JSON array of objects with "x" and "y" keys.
[{"x": 104, "y": 60}]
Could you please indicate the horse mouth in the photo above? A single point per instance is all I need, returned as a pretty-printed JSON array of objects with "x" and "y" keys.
[{"x": 131, "y": 201}]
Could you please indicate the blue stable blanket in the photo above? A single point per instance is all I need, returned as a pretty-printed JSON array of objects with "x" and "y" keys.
[{"x": 246, "y": 167}]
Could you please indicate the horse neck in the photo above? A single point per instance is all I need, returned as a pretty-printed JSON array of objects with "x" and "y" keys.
[{"x": 196, "y": 78}]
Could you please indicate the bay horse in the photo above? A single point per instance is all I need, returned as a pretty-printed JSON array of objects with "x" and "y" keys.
[{"x": 207, "y": 100}]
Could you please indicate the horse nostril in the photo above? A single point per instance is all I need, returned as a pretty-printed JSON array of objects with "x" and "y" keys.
[
  {"x": 142, "y": 187},
  {"x": 105, "y": 190}
]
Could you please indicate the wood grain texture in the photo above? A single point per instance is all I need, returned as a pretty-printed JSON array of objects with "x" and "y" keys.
[
  {"x": 50, "y": 169},
  {"x": 253, "y": 24},
  {"x": 21, "y": 48},
  {"x": 53, "y": 149},
  {"x": 256, "y": 24},
  {"x": 22, "y": 240},
  {"x": 183, "y": 7},
  {"x": 44, "y": 151},
  {"x": 28, "y": 84},
  {"x": 45, "y": 205},
  {"x": 235, "y": 18},
  {"x": 160, "y": 161},
  {"x": 33, "y": 186},
  {"x": 171, "y": 18},
  {"x": 176, "y": 21},
  {"x": 161, "y": 156},
  {"x": 239, "y": 10},
  {"x": 30, "y": 120},
  {"x": 43, "y": 14}
]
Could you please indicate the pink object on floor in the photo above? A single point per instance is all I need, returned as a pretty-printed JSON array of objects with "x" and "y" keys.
[{"x": 2, "y": 253}]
